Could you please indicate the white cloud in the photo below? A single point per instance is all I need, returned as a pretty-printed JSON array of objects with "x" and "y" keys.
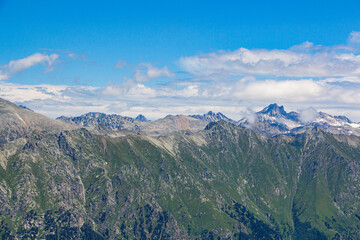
[
  {"x": 4, "y": 75},
  {"x": 153, "y": 72},
  {"x": 308, "y": 114},
  {"x": 272, "y": 90},
  {"x": 234, "y": 99},
  {"x": 351, "y": 79},
  {"x": 133, "y": 91},
  {"x": 232, "y": 82},
  {"x": 23, "y": 93},
  {"x": 141, "y": 91},
  {"x": 147, "y": 72},
  {"x": 37, "y": 58},
  {"x": 311, "y": 47},
  {"x": 135, "y": 87},
  {"x": 304, "y": 60},
  {"x": 190, "y": 91},
  {"x": 354, "y": 37},
  {"x": 20, "y": 65}
]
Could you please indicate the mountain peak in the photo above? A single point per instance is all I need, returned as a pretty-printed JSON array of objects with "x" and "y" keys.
[
  {"x": 218, "y": 115},
  {"x": 19, "y": 120},
  {"x": 212, "y": 117},
  {"x": 274, "y": 110},
  {"x": 141, "y": 118}
]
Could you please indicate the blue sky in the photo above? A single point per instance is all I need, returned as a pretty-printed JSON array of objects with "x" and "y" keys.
[{"x": 168, "y": 57}]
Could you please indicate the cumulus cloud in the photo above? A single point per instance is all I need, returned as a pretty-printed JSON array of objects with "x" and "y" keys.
[
  {"x": 147, "y": 72},
  {"x": 153, "y": 72},
  {"x": 273, "y": 90},
  {"x": 135, "y": 87},
  {"x": 305, "y": 60}
]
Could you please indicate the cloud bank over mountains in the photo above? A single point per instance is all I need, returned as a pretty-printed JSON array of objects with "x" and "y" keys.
[{"x": 233, "y": 82}]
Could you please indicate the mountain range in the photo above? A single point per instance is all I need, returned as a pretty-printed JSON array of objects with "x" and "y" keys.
[
  {"x": 271, "y": 121},
  {"x": 181, "y": 177}
]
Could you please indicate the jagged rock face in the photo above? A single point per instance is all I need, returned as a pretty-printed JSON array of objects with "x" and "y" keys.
[
  {"x": 111, "y": 122},
  {"x": 274, "y": 110},
  {"x": 274, "y": 120},
  {"x": 212, "y": 117}
]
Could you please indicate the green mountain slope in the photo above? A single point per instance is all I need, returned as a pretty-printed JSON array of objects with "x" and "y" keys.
[{"x": 224, "y": 182}]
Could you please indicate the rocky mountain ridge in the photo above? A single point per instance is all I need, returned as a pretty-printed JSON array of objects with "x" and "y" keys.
[
  {"x": 100, "y": 123},
  {"x": 222, "y": 182},
  {"x": 212, "y": 117},
  {"x": 272, "y": 120}
]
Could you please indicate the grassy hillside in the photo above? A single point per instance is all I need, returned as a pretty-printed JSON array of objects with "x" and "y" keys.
[{"x": 223, "y": 182}]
